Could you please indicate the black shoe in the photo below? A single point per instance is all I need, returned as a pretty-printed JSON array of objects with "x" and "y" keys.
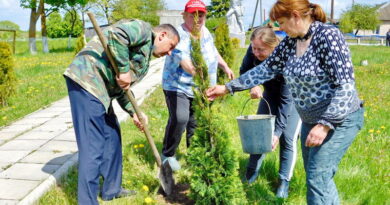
[
  {"x": 123, "y": 193},
  {"x": 283, "y": 189}
]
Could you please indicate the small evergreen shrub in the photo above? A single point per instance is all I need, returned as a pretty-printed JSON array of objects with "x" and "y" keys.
[
  {"x": 80, "y": 43},
  {"x": 235, "y": 43},
  {"x": 225, "y": 49},
  {"x": 212, "y": 23},
  {"x": 7, "y": 75},
  {"x": 213, "y": 163}
]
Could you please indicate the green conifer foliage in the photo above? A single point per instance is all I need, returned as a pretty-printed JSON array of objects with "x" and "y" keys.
[
  {"x": 225, "y": 49},
  {"x": 7, "y": 75},
  {"x": 80, "y": 43},
  {"x": 212, "y": 160}
]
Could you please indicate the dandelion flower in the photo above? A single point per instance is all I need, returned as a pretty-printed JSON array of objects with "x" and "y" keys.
[
  {"x": 371, "y": 130},
  {"x": 148, "y": 200},
  {"x": 135, "y": 146},
  {"x": 141, "y": 145},
  {"x": 383, "y": 127},
  {"x": 4, "y": 118},
  {"x": 145, "y": 188},
  {"x": 378, "y": 131}
]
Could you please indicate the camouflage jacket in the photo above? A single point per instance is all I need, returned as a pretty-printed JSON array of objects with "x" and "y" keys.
[{"x": 131, "y": 42}]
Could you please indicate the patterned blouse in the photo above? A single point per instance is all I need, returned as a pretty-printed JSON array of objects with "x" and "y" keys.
[{"x": 321, "y": 81}]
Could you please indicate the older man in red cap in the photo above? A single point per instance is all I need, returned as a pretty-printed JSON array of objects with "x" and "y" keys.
[{"x": 178, "y": 81}]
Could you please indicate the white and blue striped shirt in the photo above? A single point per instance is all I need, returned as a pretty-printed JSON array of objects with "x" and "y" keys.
[{"x": 174, "y": 77}]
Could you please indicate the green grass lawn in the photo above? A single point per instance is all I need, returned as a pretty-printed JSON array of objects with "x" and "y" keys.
[
  {"x": 39, "y": 79},
  {"x": 363, "y": 176}
]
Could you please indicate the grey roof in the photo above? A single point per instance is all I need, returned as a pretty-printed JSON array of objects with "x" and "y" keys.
[{"x": 384, "y": 12}]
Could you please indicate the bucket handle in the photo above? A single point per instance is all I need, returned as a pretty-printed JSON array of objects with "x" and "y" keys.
[{"x": 246, "y": 102}]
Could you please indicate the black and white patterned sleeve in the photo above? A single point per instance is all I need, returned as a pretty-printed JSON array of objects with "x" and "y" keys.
[
  {"x": 335, "y": 56},
  {"x": 266, "y": 71}
]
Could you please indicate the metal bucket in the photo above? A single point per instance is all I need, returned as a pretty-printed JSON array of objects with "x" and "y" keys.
[{"x": 256, "y": 132}]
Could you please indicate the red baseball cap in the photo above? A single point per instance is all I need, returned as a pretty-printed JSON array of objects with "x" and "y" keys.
[{"x": 195, "y": 5}]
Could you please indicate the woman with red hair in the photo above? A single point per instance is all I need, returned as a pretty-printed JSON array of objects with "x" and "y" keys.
[{"x": 315, "y": 61}]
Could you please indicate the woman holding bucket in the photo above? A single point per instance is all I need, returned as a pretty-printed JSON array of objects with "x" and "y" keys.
[
  {"x": 276, "y": 93},
  {"x": 316, "y": 64}
]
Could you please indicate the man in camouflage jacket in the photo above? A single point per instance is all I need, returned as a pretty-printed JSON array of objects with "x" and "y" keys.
[{"x": 92, "y": 85}]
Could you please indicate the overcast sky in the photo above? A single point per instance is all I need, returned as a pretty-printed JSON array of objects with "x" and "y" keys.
[{"x": 11, "y": 10}]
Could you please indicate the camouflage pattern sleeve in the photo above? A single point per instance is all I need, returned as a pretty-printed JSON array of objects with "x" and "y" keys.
[
  {"x": 123, "y": 36},
  {"x": 125, "y": 103}
]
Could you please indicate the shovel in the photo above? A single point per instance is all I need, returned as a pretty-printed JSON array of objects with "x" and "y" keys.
[{"x": 165, "y": 173}]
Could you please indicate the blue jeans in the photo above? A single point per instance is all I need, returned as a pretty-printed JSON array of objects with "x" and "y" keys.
[
  {"x": 99, "y": 143},
  {"x": 321, "y": 162}
]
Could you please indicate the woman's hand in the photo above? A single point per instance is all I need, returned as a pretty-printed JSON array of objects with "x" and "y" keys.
[
  {"x": 124, "y": 80},
  {"x": 137, "y": 122},
  {"x": 317, "y": 135},
  {"x": 256, "y": 92},
  {"x": 216, "y": 91}
]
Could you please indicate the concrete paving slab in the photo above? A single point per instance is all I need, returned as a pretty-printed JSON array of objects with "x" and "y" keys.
[
  {"x": 38, "y": 135},
  {"x": 64, "y": 102},
  {"x": 24, "y": 171},
  {"x": 8, "y": 135},
  {"x": 32, "y": 121},
  {"x": 53, "y": 127},
  {"x": 10, "y": 156},
  {"x": 68, "y": 135},
  {"x": 45, "y": 114},
  {"x": 18, "y": 128},
  {"x": 3, "y": 166},
  {"x": 60, "y": 121},
  {"x": 11, "y": 189},
  {"x": 28, "y": 145},
  {"x": 47, "y": 157},
  {"x": 59, "y": 146},
  {"x": 67, "y": 116},
  {"x": 2, "y": 142},
  {"x": 8, "y": 202}
]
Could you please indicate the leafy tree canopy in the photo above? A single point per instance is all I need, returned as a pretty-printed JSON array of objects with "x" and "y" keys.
[
  {"x": 58, "y": 27},
  {"x": 359, "y": 17},
  {"x": 218, "y": 8},
  {"x": 140, "y": 9}
]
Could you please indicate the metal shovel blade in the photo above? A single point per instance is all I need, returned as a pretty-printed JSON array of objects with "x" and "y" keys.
[{"x": 166, "y": 178}]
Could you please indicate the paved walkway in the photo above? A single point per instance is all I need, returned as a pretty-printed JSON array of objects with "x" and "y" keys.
[{"x": 38, "y": 149}]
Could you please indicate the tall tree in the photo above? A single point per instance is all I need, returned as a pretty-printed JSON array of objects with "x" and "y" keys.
[
  {"x": 54, "y": 26},
  {"x": 72, "y": 24},
  {"x": 104, "y": 9},
  {"x": 218, "y": 8},
  {"x": 141, "y": 9},
  {"x": 212, "y": 159},
  {"x": 359, "y": 17},
  {"x": 36, "y": 11},
  {"x": 45, "y": 42},
  {"x": 52, "y": 6}
]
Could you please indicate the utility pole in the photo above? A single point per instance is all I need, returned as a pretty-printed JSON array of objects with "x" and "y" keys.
[
  {"x": 332, "y": 12},
  {"x": 254, "y": 15},
  {"x": 261, "y": 12}
]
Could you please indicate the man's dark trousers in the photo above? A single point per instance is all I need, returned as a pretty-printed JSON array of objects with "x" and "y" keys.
[
  {"x": 181, "y": 118},
  {"x": 99, "y": 144}
]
